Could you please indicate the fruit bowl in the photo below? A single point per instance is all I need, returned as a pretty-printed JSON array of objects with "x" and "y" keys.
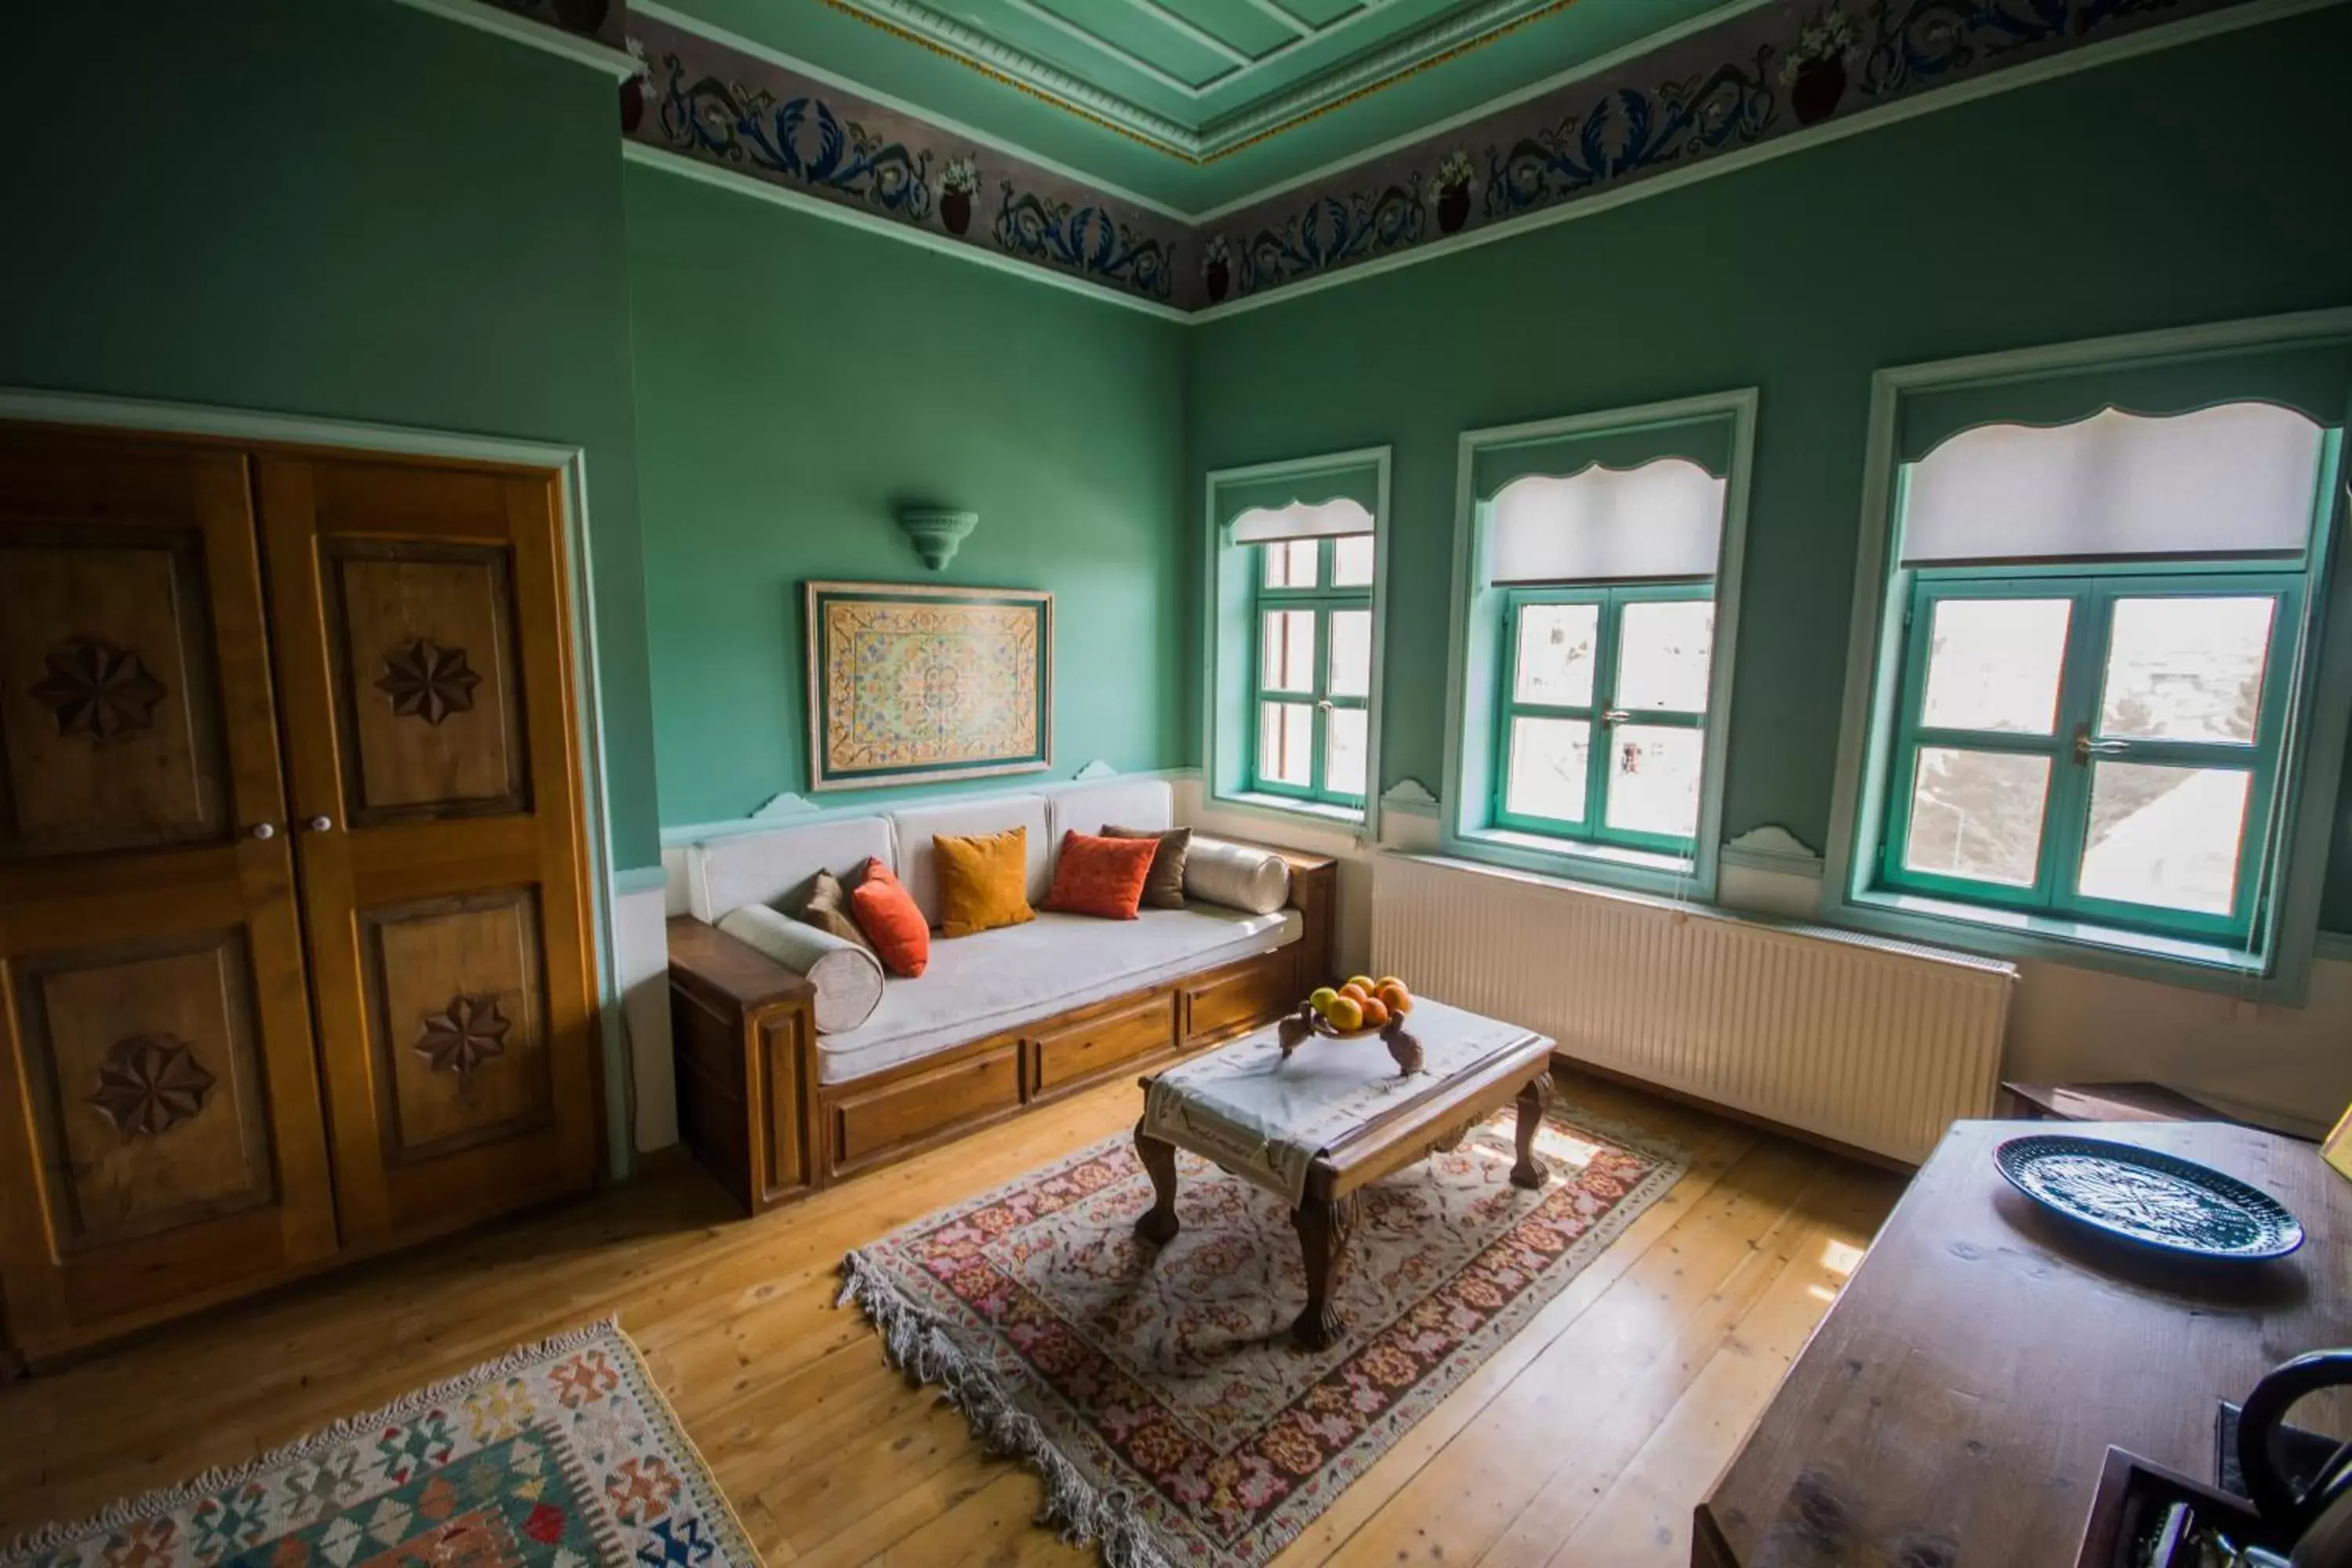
[{"x": 1308, "y": 1021}]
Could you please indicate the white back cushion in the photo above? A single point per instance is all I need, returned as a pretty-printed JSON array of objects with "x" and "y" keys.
[
  {"x": 726, "y": 874},
  {"x": 918, "y": 863},
  {"x": 1089, "y": 808}
]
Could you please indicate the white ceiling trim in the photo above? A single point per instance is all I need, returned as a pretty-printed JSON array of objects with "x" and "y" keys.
[{"x": 539, "y": 35}]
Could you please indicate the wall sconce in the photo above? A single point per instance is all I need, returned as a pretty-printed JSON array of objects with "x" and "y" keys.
[{"x": 935, "y": 532}]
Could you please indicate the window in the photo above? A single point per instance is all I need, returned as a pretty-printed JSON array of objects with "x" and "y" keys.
[
  {"x": 2088, "y": 732},
  {"x": 1628, "y": 666},
  {"x": 1601, "y": 566},
  {"x": 1314, "y": 668},
  {"x": 1294, "y": 636}
]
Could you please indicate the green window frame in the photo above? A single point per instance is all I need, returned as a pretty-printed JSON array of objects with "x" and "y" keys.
[
  {"x": 1601, "y": 714},
  {"x": 1324, "y": 600},
  {"x": 2076, "y": 746}
]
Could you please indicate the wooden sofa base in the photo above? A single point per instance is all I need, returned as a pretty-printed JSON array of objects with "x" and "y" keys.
[{"x": 751, "y": 1108}]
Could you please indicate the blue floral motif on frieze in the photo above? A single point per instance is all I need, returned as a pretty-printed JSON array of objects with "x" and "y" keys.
[
  {"x": 1917, "y": 40},
  {"x": 1331, "y": 230},
  {"x": 1086, "y": 239},
  {"x": 742, "y": 125},
  {"x": 1628, "y": 133}
]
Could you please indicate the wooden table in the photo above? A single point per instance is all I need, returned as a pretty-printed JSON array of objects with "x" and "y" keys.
[
  {"x": 2104, "y": 1103},
  {"x": 1434, "y": 1119},
  {"x": 1954, "y": 1405}
]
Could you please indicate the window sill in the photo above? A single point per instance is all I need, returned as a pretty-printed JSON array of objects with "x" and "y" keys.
[
  {"x": 1608, "y": 865},
  {"x": 2010, "y": 933},
  {"x": 1321, "y": 812}
]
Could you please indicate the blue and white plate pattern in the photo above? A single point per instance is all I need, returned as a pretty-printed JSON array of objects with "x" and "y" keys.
[{"x": 2156, "y": 1199}]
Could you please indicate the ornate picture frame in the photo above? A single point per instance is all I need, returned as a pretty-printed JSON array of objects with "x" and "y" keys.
[{"x": 909, "y": 683}]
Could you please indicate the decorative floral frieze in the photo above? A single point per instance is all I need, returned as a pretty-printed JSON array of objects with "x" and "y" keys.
[
  {"x": 1761, "y": 74},
  {"x": 702, "y": 100}
]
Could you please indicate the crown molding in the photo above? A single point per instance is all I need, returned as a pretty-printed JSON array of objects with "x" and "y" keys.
[{"x": 515, "y": 28}]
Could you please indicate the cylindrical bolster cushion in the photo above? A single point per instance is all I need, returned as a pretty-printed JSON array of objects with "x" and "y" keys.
[
  {"x": 847, "y": 977},
  {"x": 1236, "y": 875}
]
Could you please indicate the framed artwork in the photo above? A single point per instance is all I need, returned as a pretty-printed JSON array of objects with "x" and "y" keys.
[{"x": 910, "y": 684}]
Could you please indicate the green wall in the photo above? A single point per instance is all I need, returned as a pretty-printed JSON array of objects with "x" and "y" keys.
[
  {"x": 795, "y": 379},
  {"x": 2186, "y": 186},
  {"x": 354, "y": 211}
]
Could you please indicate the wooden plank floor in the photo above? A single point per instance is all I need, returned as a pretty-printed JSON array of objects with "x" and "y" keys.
[{"x": 1585, "y": 1439}]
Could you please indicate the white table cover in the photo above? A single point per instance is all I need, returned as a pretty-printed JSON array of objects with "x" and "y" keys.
[{"x": 1266, "y": 1119}]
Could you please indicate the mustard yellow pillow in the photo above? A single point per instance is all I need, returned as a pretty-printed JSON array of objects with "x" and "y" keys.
[{"x": 983, "y": 881}]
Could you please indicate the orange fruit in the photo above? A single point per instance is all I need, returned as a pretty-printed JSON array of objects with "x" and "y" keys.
[
  {"x": 1376, "y": 1012},
  {"x": 1394, "y": 997},
  {"x": 1386, "y": 981},
  {"x": 1345, "y": 1012},
  {"x": 1361, "y": 981},
  {"x": 1357, "y": 993}
]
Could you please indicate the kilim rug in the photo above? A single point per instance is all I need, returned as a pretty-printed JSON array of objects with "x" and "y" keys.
[
  {"x": 1157, "y": 1390},
  {"x": 562, "y": 1452}
]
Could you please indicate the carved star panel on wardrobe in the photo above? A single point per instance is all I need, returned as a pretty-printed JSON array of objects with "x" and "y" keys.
[{"x": 290, "y": 861}]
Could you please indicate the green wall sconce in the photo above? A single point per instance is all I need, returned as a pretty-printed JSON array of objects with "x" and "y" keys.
[{"x": 936, "y": 531}]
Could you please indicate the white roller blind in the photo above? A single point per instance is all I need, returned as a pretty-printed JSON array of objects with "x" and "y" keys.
[
  {"x": 1661, "y": 520},
  {"x": 2237, "y": 479},
  {"x": 1325, "y": 519}
]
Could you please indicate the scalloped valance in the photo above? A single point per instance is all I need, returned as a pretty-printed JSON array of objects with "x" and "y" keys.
[
  {"x": 1664, "y": 519},
  {"x": 1706, "y": 442},
  {"x": 2315, "y": 380},
  {"x": 1313, "y": 503}
]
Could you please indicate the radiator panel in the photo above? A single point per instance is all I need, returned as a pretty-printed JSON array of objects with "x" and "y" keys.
[{"x": 1880, "y": 1044}]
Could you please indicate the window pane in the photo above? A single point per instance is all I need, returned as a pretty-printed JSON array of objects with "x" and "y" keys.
[
  {"x": 1343, "y": 755},
  {"x": 1993, "y": 664},
  {"x": 1977, "y": 815},
  {"x": 1548, "y": 763},
  {"x": 1654, "y": 779},
  {"x": 2186, "y": 669},
  {"x": 1287, "y": 661},
  {"x": 1662, "y": 654},
  {"x": 1285, "y": 743},
  {"x": 1555, "y": 650},
  {"x": 1351, "y": 653},
  {"x": 2167, "y": 836},
  {"x": 1290, "y": 564},
  {"x": 1351, "y": 561}
]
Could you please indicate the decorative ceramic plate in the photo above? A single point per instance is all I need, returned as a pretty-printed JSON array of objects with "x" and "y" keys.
[{"x": 2158, "y": 1200}]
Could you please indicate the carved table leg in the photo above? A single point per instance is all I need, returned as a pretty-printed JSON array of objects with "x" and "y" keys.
[
  {"x": 1158, "y": 1225},
  {"x": 1323, "y": 1229},
  {"x": 1529, "y": 1172}
]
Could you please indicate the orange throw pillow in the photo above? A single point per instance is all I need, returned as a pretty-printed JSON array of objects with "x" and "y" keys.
[
  {"x": 886, "y": 912},
  {"x": 983, "y": 881},
  {"x": 1102, "y": 877}
]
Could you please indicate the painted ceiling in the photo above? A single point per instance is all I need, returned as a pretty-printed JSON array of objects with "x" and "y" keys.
[{"x": 1194, "y": 106}]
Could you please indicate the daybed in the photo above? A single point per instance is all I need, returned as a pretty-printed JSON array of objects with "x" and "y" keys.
[{"x": 999, "y": 1021}]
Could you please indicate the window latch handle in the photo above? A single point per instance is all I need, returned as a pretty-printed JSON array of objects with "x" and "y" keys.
[
  {"x": 1325, "y": 705},
  {"x": 2086, "y": 748},
  {"x": 1614, "y": 716}
]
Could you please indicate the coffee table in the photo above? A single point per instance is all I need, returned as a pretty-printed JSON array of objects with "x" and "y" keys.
[{"x": 1316, "y": 1121}]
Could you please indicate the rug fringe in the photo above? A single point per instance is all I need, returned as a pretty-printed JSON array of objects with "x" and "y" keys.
[
  {"x": 164, "y": 1499},
  {"x": 1074, "y": 1506}
]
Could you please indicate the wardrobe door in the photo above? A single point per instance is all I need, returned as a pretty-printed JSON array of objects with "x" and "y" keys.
[
  {"x": 162, "y": 1142},
  {"x": 422, "y": 647}
]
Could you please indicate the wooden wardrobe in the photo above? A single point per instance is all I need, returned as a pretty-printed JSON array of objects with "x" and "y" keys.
[{"x": 294, "y": 948}]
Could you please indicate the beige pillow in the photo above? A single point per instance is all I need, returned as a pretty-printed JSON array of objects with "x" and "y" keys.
[
  {"x": 825, "y": 906},
  {"x": 1238, "y": 876},
  {"x": 1163, "y": 887}
]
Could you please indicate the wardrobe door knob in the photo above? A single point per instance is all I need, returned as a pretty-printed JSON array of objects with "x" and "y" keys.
[
  {"x": 263, "y": 830},
  {"x": 322, "y": 824}
]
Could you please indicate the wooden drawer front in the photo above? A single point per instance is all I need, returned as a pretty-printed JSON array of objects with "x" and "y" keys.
[
  {"x": 1096, "y": 1045},
  {"x": 1253, "y": 992},
  {"x": 910, "y": 1108}
]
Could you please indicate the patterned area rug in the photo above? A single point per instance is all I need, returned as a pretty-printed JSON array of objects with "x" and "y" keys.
[
  {"x": 562, "y": 1452},
  {"x": 1158, "y": 1391}
]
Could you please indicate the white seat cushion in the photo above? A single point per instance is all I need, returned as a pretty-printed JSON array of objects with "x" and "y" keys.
[
  {"x": 1000, "y": 979},
  {"x": 725, "y": 874},
  {"x": 1117, "y": 803},
  {"x": 918, "y": 863}
]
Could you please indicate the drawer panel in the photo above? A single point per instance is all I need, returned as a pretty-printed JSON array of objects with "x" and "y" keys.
[
  {"x": 912, "y": 1107},
  {"x": 1256, "y": 991},
  {"x": 1081, "y": 1050}
]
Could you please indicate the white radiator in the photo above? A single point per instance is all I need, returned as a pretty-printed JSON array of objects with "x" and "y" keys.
[{"x": 1878, "y": 1044}]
